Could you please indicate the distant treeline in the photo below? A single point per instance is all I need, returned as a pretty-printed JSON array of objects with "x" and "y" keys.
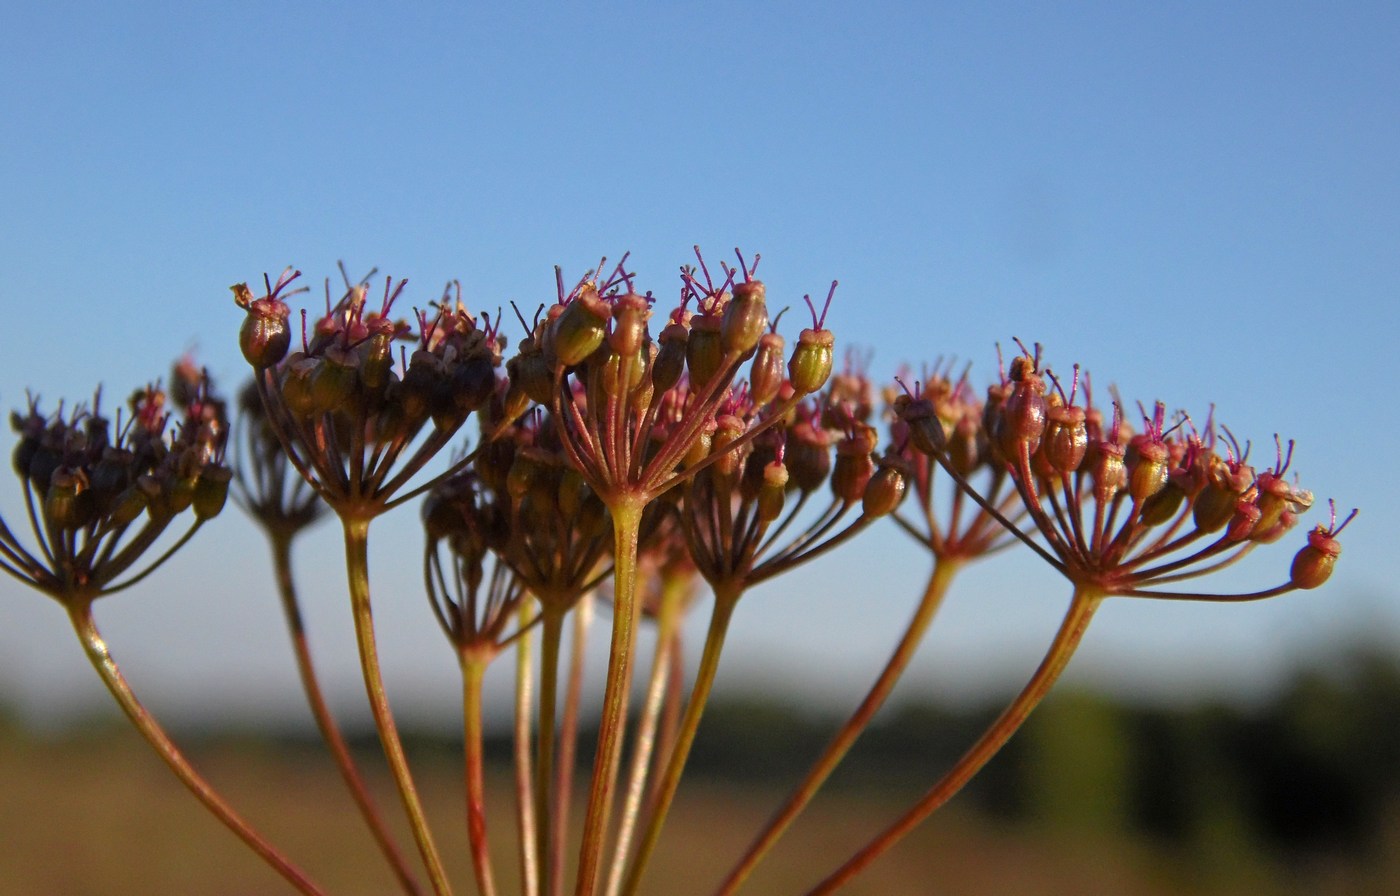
[{"x": 1316, "y": 770}]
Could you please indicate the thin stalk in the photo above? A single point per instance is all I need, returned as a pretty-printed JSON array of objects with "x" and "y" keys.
[
  {"x": 1067, "y": 638},
  {"x": 325, "y": 722},
  {"x": 568, "y": 744},
  {"x": 524, "y": 775},
  {"x": 473, "y": 671},
  {"x": 673, "y": 593},
  {"x": 80, "y": 614},
  {"x": 942, "y": 576},
  {"x": 725, "y": 601},
  {"x": 627, "y": 517},
  {"x": 357, "y": 570},
  {"x": 551, "y": 631}
]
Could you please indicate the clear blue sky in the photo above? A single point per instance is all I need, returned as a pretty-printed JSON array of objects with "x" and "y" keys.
[{"x": 1200, "y": 202}]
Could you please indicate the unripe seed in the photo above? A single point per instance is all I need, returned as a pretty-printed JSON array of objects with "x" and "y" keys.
[
  {"x": 745, "y": 319},
  {"x": 767, "y": 373},
  {"x": 211, "y": 491},
  {"x": 884, "y": 491},
  {"x": 579, "y": 329},
  {"x": 811, "y": 360}
]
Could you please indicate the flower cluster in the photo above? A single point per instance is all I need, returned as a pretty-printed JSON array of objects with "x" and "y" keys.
[
  {"x": 100, "y": 492},
  {"x": 344, "y": 411}
]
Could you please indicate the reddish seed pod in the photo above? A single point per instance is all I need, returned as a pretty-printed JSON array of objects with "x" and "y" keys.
[
  {"x": 1066, "y": 438},
  {"x": 808, "y": 455},
  {"x": 854, "y": 465},
  {"x": 745, "y": 319},
  {"x": 629, "y": 330},
  {"x": 265, "y": 336},
  {"x": 885, "y": 490},
  {"x": 1020, "y": 424},
  {"x": 1313, "y": 565},
  {"x": 767, "y": 373}
]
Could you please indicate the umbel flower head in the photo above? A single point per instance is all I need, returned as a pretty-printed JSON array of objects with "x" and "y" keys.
[
  {"x": 629, "y": 409},
  {"x": 1123, "y": 512},
  {"x": 344, "y": 408},
  {"x": 101, "y": 492},
  {"x": 942, "y": 416}
]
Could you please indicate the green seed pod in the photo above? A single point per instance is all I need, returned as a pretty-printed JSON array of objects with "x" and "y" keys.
[
  {"x": 573, "y": 493},
  {"x": 622, "y": 374},
  {"x": 700, "y": 448},
  {"x": 703, "y": 353},
  {"x": 472, "y": 382},
  {"x": 1147, "y": 467},
  {"x": 296, "y": 386},
  {"x": 580, "y": 327},
  {"x": 772, "y": 491},
  {"x": 68, "y": 505},
  {"x": 525, "y": 469},
  {"x": 375, "y": 357},
  {"x": 1163, "y": 505},
  {"x": 211, "y": 491},
  {"x": 126, "y": 507},
  {"x": 529, "y": 372},
  {"x": 745, "y": 319},
  {"x": 811, "y": 360},
  {"x": 767, "y": 374},
  {"x": 333, "y": 383},
  {"x": 666, "y": 370},
  {"x": 178, "y": 492}
]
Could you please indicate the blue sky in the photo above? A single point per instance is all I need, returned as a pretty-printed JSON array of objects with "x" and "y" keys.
[{"x": 1198, "y": 202}]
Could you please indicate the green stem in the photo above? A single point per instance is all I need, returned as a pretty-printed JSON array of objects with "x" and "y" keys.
[
  {"x": 80, "y": 614},
  {"x": 525, "y": 785},
  {"x": 551, "y": 631},
  {"x": 325, "y": 722},
  {"x": 725, "y": 601},
  {"x": 357, "y": 569},
  {"x": 667, "y": 616},
  {"x": 568, "y": 743},
  {"x": 939, "y": 580},
  {"x": 1067, "y": 638},
  {"x": 626, "y": 518},
  {"x": 473, "y": 671}
]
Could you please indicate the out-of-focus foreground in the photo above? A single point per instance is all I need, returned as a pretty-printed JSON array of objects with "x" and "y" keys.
[{"x": 1298, "y": 795}]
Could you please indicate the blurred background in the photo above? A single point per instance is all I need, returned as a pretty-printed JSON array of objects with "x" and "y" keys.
[{"x": 1199, "y": 204}]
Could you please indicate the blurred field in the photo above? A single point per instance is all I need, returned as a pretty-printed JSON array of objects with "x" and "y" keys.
[{"x": 97, "y": 814}]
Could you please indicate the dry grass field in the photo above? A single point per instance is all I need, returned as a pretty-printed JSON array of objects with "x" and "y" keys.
[{"x": 94, "y": 815}]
